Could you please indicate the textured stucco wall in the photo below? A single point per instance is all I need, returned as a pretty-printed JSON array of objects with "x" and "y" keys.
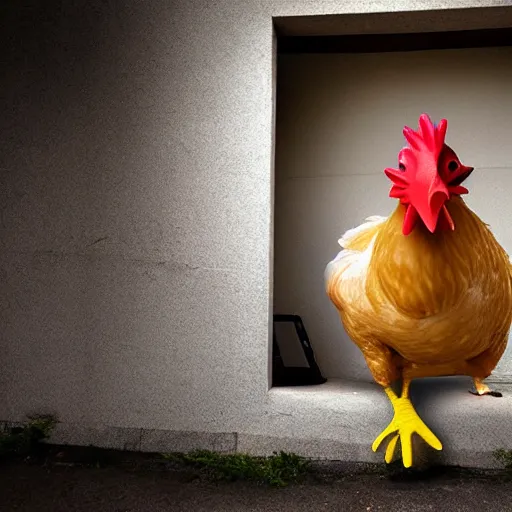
[
  {"x": 136, "y": 199},
  {"x": 136, "y": 214}
]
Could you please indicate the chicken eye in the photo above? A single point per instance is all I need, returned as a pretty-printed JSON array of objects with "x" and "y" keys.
[
  {"x": 453, "y": 166},
  {"x": 401, "y": 166}
]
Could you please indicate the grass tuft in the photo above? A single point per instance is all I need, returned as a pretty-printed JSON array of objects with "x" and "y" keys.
[
  {"x": 21, "y": 441},
  {"x": 278, "y": 470},
  {"x": 504, "y": 457}
]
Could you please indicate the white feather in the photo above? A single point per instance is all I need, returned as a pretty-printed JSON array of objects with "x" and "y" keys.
[
  {"x": 370, "y": 222},
  {"x": 355, "y": 263}
]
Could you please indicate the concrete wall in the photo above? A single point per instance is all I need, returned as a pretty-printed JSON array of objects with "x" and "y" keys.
[
  {"x": 136, "y": 231},
  {"x": 136, "y": 193},
  {"x": 336, "y": 134}
]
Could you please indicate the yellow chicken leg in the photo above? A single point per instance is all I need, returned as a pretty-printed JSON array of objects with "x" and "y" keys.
[{"x": 404, "y": 424}]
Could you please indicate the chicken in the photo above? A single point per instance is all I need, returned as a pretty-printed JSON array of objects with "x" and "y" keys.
[{"x": 427, "y": 291}]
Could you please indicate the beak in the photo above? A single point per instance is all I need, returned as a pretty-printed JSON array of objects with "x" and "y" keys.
[
  {"x": 461, "y": 176},
  {"x": 429, "y": 200}
]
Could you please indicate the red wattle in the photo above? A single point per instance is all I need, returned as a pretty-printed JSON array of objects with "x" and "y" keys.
[
  {"x": 445, "y": 221},
  {"x": 410, "y": 220}
]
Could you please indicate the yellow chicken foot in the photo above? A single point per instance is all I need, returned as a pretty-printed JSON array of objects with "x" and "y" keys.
[
  {"x": 404, "y": 424},
  {"x": 483, "y": 389}
]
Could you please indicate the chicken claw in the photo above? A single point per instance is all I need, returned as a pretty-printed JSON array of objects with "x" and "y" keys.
[
  {"x": 404, "y": 424},
  {"x": 483, "y": 389}
]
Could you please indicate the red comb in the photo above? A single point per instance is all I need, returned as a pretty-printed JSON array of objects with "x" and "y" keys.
[
  {"x": 425, "y": 144},
  {"x": 429, "y": 137}
]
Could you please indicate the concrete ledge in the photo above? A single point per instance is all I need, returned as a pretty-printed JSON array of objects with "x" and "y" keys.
[
  {"x": 145, "y": 440},
  {"x": 335, "y": 421},
  {"x": 102, "y": 437},
  {"x": 320, "y": 449},
  {"x": 136, "y": 439},
  {"x": 174, "y": 441},
  {"x": 340, "y": 419}
]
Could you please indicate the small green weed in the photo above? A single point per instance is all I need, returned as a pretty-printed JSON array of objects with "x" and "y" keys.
[
  {"x": 20, "y": 441},
  {"x": 504, "y": 457},
  {"x": 278, "y": 470}
]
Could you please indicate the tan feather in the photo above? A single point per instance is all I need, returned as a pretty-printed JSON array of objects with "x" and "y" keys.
[{"x": 424, "y": 299}]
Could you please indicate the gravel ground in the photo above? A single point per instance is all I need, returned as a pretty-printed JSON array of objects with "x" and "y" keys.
[{"x": 152, "y": 487}]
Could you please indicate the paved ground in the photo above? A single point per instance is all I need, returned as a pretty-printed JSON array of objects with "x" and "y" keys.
[{"x": 139, "y": 488}]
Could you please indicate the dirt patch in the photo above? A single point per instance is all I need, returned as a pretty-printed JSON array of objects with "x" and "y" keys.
[{"x": 86, "y": 480}]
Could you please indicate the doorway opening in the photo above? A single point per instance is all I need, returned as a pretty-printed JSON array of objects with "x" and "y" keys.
[{"x": 342, "y": 101}]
